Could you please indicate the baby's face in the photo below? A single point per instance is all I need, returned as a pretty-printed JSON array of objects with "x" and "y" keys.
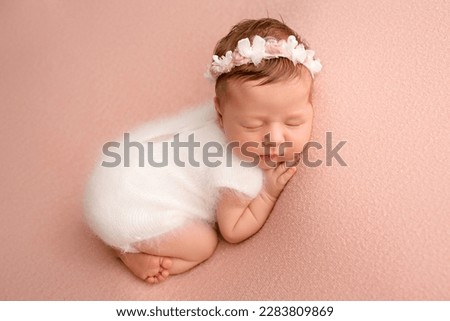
[{"x": 276, "y": 117}]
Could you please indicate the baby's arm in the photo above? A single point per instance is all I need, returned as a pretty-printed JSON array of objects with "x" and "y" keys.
[{"x": 240, "y": 217}]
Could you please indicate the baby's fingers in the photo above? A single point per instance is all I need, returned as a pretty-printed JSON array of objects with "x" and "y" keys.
[
  {"x": 287, "y": 175},
  {"x": 281, "y": 168}
]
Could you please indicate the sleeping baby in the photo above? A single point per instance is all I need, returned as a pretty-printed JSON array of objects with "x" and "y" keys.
[{"x": 159, "y": 194}]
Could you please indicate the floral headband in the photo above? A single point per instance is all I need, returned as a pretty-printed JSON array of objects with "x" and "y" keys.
[{"x": 267, "y": 48}]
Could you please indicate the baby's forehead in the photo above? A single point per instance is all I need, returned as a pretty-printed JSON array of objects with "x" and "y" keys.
[
  {"x": 303, "y": 80},
  {"x": 280, "y": 92}
]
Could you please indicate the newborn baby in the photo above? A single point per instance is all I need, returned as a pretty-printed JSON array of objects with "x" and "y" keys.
[{"x": 158, "y": 203}]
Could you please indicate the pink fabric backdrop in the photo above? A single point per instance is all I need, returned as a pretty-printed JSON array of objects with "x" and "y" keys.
[{"x": 74, "y": 74}]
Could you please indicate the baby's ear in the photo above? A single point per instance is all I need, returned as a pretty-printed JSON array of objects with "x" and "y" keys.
[{"x": 218, "y": 111}]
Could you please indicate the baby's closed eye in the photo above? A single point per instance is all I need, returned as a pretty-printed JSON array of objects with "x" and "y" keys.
[
  {"x": 252, "y": 125},
  {"x": 294, "y": 122}
]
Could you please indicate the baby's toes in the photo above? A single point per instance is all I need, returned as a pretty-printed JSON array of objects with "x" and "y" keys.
[
  {"x": 144, "y": 274},
  {"x": 165, "y": 273},
  {"x": 166, "y": 263},
  {"x": 160, "y": 277}
]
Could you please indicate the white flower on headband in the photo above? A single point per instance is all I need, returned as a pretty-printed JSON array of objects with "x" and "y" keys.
[
  {"x": 224, "y": 63},
  {"x": 220, "y": 65},
  {"x": 256, "y": 52},
  {"x": 312, "y": 64},
  {"x": 261, "y": 48},
  {"x": 296, "y": 51}
]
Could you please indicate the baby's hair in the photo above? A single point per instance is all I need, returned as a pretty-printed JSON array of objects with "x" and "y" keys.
[{"x": 268, "y": 71}]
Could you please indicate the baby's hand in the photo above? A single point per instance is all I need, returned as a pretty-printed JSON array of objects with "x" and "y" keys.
[{"x": 275, "y": 179}]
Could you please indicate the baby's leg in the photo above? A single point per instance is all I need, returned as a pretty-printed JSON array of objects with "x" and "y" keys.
[{"x": 172, "y": 253}]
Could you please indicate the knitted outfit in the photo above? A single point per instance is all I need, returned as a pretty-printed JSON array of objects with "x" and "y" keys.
[{"x": 124, "y": 205}]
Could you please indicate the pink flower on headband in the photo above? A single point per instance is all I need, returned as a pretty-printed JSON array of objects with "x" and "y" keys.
[
  {"x": 272, "y": 47},
  {"x": 238, "y": 59}
]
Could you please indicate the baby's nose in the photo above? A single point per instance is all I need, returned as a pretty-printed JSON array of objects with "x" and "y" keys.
[{"x": 275, "y": 137}]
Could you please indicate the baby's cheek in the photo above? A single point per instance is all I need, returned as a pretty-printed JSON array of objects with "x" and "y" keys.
[
  {"x": 292, "y": 148},
  {"x": 246, "y": 154},
  {"x": 301, "y": 138}
]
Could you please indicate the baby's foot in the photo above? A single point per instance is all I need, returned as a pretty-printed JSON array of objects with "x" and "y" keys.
[
  {"x": 150, "y": 268},
  {"x": 163, "y": 270}
]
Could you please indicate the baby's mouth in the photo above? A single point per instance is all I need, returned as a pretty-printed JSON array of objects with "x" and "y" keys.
[{"x": 273, "y": 158}]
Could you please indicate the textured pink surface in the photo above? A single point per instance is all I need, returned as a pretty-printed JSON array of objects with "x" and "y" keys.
[{"x": 75, "y": 74}]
